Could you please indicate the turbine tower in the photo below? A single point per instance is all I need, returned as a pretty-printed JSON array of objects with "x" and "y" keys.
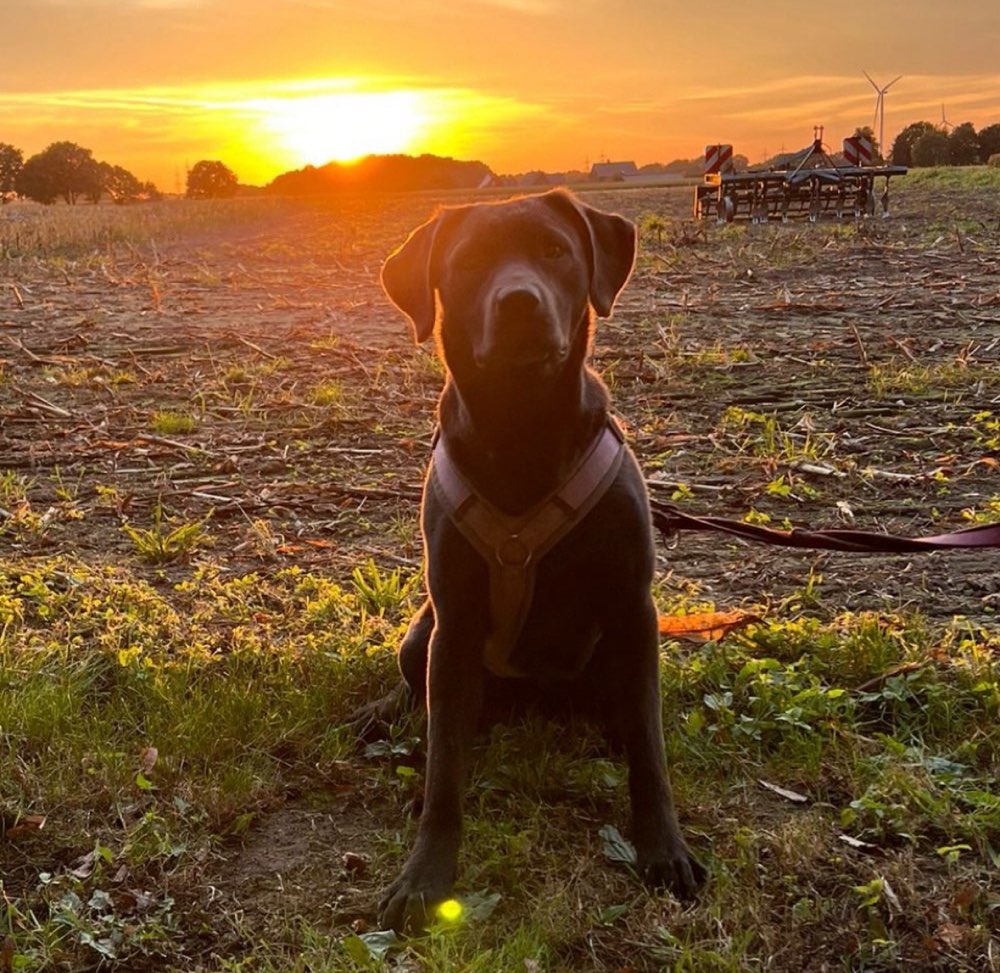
[{"x": 879, "y": 120}]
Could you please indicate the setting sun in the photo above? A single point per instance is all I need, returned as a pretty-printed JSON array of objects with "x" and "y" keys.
[{"x": 345, "y": 126}]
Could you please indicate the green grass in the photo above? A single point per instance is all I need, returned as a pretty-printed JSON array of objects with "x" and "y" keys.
[
  {"x": 169, "y": 423},
  {"x": 167, "y": 539},
  {"x": 957, "y": 177},
  {"x": 153, "y": 726}
]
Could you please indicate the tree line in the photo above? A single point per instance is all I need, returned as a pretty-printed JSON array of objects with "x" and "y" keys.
[
  {"x": 926, "y": 144},
  {"x": 67, "y": 171},
  {"x": 393, "y": 173}
]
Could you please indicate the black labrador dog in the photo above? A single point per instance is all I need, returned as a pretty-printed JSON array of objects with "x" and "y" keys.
[{"x": 536, "y": 524}]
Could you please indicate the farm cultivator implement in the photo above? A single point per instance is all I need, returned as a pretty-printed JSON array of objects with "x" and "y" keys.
[{"x": 807, "y": 184}]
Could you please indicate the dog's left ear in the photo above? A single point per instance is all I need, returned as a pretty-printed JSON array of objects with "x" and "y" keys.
[
  {"x": 406, "y": 278},
  {"x": 613, "y": 245}
]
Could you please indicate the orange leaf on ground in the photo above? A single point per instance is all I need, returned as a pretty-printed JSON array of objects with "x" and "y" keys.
[
  {"x": 29, "y": 822},
  {"x": 706, "y": 626},
  {"x": 307, "y": 542}
]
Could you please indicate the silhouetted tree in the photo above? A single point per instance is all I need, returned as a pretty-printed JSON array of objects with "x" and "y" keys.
[
  {"x": 63, "y": 169},
  {"x": 902, "y": 148},
  {"x": 931, "y": 149},
  {"x": 120, "y": 184},
  {"x": 11, "y": 161},
  {"x": 211, "y": 180},
  {"x": 382, "y": 172},
  {"x": 963, "y": 145},
  {"x": 35, "y": 181},
  {"x": 989, "y": 142}
]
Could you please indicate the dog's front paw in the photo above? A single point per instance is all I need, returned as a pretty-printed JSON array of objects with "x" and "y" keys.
[
  {"x": 672, "y": 867},
  {"x": 411, "y": 902}
]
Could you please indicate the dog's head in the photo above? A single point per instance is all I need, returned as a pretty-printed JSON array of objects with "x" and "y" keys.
[{"x": 511, "y": 282}]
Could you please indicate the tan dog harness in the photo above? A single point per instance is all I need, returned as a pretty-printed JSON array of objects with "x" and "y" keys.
[{"x": 513, "y": 546}]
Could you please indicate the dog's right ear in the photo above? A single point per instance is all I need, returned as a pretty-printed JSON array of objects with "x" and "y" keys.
[{"x": 407, "y": 279}]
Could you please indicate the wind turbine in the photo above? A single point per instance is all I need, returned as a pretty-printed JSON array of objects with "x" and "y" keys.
[
  {"x": 945, "y": 124},
  {"x": 879, "y": 119}
]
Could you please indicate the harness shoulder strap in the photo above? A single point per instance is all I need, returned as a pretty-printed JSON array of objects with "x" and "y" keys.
[{"x": 513, "y": 545}]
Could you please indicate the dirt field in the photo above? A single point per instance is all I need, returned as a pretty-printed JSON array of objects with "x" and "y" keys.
[
  {"x": 242, "y": 376},
  {"x": 820, "y": 374}
]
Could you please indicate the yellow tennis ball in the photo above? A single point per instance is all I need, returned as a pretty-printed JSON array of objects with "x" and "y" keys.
[{"x": 450, "y": 910}]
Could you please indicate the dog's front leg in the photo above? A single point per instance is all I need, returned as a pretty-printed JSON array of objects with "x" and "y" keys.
[
  {"x": 454, "y": 699},
  {"x": 663, "y": 855}
]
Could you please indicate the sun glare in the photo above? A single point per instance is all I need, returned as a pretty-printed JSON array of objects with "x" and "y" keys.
[{"x": 346, "y": 126}]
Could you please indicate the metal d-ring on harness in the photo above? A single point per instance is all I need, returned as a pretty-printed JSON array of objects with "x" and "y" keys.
[{"x": 512, "y": 546}]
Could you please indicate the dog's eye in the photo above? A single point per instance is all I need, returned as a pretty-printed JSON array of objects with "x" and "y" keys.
[{"x": 553, "y": 251}]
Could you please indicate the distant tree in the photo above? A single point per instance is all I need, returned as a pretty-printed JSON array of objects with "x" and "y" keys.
[
  {"x": 121, "y": 185},
  {"x": 963, "y": 145},
  {"x": 64, "y": 170},
  {"x": 902, "y": 148},
  {"x": 211, "y": 180},
  {"x": 931, "y": 149},
  {"x": 989, "y": 142},
  {"x": 11, "y": 161},
  {"x": 395, "y": 173},
  {"x": 149, "y": 192},
  {"x": 740, "y": 163}
]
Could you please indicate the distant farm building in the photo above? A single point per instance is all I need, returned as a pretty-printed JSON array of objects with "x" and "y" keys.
[{"x": 613, "y": 171}]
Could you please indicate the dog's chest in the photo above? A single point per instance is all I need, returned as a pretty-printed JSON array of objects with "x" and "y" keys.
[{"x": 557, "y": 641}]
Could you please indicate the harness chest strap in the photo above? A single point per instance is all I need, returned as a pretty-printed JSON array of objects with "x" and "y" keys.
[{"x": 513, "y": 546}]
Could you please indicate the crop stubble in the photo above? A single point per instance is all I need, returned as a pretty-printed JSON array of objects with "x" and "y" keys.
[{"x": 866, "y": 349}]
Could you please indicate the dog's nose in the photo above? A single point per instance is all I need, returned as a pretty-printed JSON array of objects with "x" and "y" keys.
[{"x": 518, "y": 302}]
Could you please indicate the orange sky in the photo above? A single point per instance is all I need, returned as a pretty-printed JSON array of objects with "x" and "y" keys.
[{"x": 268, "y": 85}]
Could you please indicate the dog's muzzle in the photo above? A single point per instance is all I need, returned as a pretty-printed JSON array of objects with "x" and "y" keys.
[{"x": 520, "y": 329}]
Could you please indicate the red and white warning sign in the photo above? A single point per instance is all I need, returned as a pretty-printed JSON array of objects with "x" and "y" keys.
[
  {"x": 718, "y": 158},
  {"x": 858, "y": 151}
]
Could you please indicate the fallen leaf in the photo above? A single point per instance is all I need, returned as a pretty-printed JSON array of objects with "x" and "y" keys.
[
  {"x": 148, "y": 757},
  {"x": 305, "y": 542},
  {"x": 793, "y": 796},
  {"x": 479, "y": 906},
  {"x": 28, "y": 822},
  {"x": 895, "y": 906},
  {"x": 7, "y": 955},
  {"x": 616, "y": 848},
  {"x": 354, "y": 863},
  {"x": 950, "y": 933},
  {"x": 965, "y": 896},
  {"x": 856, "y": 842},
  {"x": 705, "y": 626},
  {"x": 86, "y": 866},
  {"x": 373, "y": 945}
]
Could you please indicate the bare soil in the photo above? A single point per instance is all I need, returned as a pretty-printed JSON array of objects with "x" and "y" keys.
[{"x": 239, "y": 328}]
